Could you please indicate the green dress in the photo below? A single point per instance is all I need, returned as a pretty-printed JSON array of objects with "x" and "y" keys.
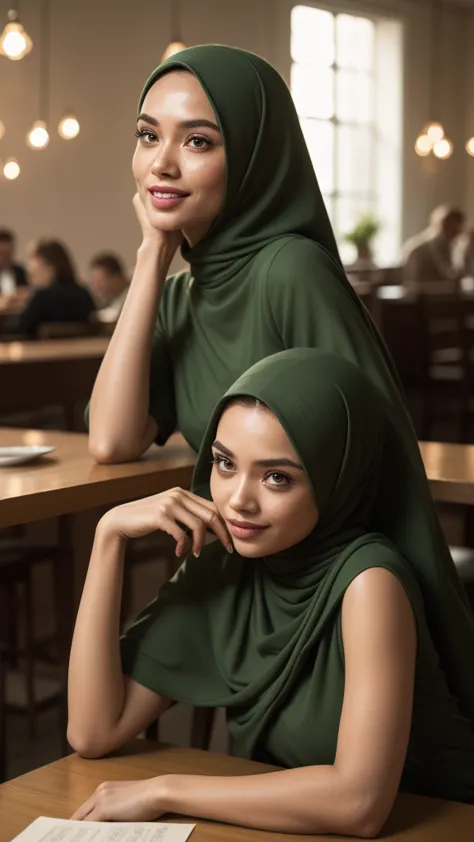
[
  {"x": 268, "y": 277},
  {"x": 262, "y": 637}
]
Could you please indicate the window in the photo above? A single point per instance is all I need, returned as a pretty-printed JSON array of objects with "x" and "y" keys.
[{"x": 346, "y": 85}]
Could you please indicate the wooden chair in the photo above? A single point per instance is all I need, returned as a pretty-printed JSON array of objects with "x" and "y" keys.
[
  {"x": 17, "y": 562},
  {"x": 446, "y": 362}
]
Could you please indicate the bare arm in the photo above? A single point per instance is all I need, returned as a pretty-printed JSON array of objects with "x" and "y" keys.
[
  {"x": 106, "y": 708},
  {"x": 121, "y": 427}
]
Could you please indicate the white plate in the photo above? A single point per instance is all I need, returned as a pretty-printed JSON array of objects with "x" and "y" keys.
[{"x": 21, "y": 455}]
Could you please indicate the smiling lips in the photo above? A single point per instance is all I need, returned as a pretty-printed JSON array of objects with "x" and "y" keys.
[
  {"x": 245, "y": 530},
  {"x": 165, "y": 198}
]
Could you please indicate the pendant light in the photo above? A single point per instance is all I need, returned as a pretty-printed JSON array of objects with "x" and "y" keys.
[
  {"x": 431, "y": 139},
  {"x": 176, "y": 44},
  {"x": 69, "y": 127},
  {"x": 38, "y": 135},
  {"x": 15, "y": 43},
  {"x": 11, "y": 169},
  {"x": 470, "y": 146}
]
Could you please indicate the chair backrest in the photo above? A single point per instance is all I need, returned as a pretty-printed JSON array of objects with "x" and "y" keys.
[
  {"x": 444, "y": 329},
  {"x": 64, "y": 330}
]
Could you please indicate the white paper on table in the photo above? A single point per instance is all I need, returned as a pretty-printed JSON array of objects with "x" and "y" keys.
[{"x": 60, "y": 830}]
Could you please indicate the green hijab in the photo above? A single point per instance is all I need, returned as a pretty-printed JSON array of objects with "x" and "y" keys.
[
  {"x": 262, "y": 138},
  {"x": 262, "y": 636},
  {"x": 267, "y": 277}
]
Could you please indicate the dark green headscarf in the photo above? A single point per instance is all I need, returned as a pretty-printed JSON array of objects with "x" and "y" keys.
[
  {"x": 262, "y": 637},
  {"x": 261, "y": 136}
]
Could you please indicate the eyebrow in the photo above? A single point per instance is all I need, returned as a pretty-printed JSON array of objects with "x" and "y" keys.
[
  {"x": 186, "y": 124},
  {"x": 262, "y": 463}
]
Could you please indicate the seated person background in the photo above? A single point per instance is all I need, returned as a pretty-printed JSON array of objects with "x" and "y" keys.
[
  {"x": 428, "y": 256},
  {"x": 12, "y": 275},
  {"x": 109, "y": 285},
  {"x": 58, "y": 296},
  {"x": 339, "y": 645}
]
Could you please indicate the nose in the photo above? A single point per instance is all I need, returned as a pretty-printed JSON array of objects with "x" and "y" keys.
[
  {"x": 244, "y": 497},
  {"x": 165, "y": 162}
]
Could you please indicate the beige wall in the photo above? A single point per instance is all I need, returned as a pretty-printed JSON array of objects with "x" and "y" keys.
[{"x": 101, "y": 53}]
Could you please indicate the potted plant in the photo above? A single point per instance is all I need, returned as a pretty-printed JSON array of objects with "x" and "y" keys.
[{"x": 362, "y": 235}]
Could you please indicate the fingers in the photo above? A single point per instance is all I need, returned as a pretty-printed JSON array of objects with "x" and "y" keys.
[
  {"x": 173, "y": 510},
  {"x": 85, "y": 810},
  {"x": 184, "y": 505}
]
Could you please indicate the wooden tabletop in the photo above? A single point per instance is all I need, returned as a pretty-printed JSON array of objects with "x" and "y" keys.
[
  {"x": 18, "y": 353},
  {"x": 450, "y": 470},
  {"x": 58, "y": 789},
  {"x": 68, "y": 480}
]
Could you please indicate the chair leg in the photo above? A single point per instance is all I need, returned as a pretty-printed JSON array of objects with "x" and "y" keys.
[
  {"x": 201, "y": 727},
  {"x": 3, "y": 729},
  {"x": 29, "y": 657}
]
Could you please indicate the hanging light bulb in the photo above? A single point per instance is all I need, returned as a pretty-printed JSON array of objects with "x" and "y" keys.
[
  {"x": 38, "y": 136},
  {"x": 443, "y": 149},
  {"x": 470, "y": 146},
  {"x": 173, "y": 48},
  {"x": 423, "y": 145},
  {"x": 15, "y": 43},
  {"x": 435, "y": 131},
  {"x": 2, "y": 130},
  {"x": 11, "y": 169},
  {"x": 69, "y": 127}
]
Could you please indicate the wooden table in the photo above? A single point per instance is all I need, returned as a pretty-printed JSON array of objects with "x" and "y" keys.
[
  {"x": 69, "y": 480},
  {"x": 47, "y": 373},
  {"x": 58, "y": 789},
  {"x": 450, "y": 470}
]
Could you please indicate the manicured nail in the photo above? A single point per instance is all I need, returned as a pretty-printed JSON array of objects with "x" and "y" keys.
[
  {"x": 197, "y": 553},
  {"x": 178, "y": 551},
  {"x": 230, "y": 548}
]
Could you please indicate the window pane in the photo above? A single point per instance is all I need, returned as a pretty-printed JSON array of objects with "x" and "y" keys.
[
  {"x": 354, "y": 159},
  {"x": 313, "y": 91},
  {"x": 312, "y": 36},
  {"x": 319, "y": 138},
  {"x": 354, "y": 42},
  {"x": 354, "y": 97}
]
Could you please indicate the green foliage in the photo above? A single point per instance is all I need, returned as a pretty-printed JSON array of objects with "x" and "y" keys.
[{"x": 365, "y": 230}]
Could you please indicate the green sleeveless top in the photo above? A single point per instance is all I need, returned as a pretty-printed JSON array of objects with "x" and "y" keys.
[{"x": 262, "y": 637}]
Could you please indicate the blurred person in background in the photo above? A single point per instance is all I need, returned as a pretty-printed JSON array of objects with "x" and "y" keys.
[
  {"x": 428, "y": 256},
  {"x": 12, "y": 275},
  {"x": 465, "y": 254},
  {"x": 57, "y": 297},
  {"x": 109, "y": 285}
]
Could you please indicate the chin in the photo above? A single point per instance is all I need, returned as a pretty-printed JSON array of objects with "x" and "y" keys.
[{"x": 252, "y": 550}]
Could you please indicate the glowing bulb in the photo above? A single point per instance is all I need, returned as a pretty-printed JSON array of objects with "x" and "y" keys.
[
  {"x": 172, "y": 49},
  {"x": 470, "y": 146},
  {"x": 15, "y": 43},
  {"x": 2, "y": 130},
  {"x": 443, "y": 149},
  {"x": 435, "y": 132},
  {"x": 38, "y": 137},
  {"x": 423, "y": 145},
  {"x": 69, "y": 127},
  {"x": 11, "y": 169}
]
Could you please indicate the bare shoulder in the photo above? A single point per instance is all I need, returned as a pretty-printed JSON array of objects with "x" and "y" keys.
[{"x": 377, "y": 601}]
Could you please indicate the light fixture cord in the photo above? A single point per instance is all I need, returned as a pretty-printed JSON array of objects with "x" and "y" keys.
[
  {"x": 176, "y": 20},
  {"x": 435, "y": 51},
  {"x": 44, "y": 60}
]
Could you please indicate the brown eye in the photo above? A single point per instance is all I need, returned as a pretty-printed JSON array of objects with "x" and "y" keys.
[
  {"x": 145, "y": 135},
  {"x": 278, "y": 479}
]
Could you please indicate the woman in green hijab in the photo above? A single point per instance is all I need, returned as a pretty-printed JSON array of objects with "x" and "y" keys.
[{"x": 317, "y": 634}]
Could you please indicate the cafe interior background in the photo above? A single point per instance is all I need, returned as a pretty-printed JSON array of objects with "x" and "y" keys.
[{"x": 368, "y": 78}]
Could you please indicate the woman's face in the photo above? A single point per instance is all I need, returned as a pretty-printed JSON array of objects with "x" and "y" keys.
[
  {"x": 40, "y": 273},
  {"x": 179, "y": 163},
  {"x": 258, "y": 483}
]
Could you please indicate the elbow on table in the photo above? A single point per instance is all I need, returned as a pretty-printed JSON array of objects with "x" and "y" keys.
[
  {"x": 88, "y": 746},
  {"x": 367, "y": 819},
  {"x": 107, "y": 452}
]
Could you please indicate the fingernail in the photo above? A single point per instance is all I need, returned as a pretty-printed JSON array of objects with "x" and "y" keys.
[
  {"x": 230, "y": 548},
  {"x": 197, "y": 553},
  {"x": 178, "y": 551}
]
